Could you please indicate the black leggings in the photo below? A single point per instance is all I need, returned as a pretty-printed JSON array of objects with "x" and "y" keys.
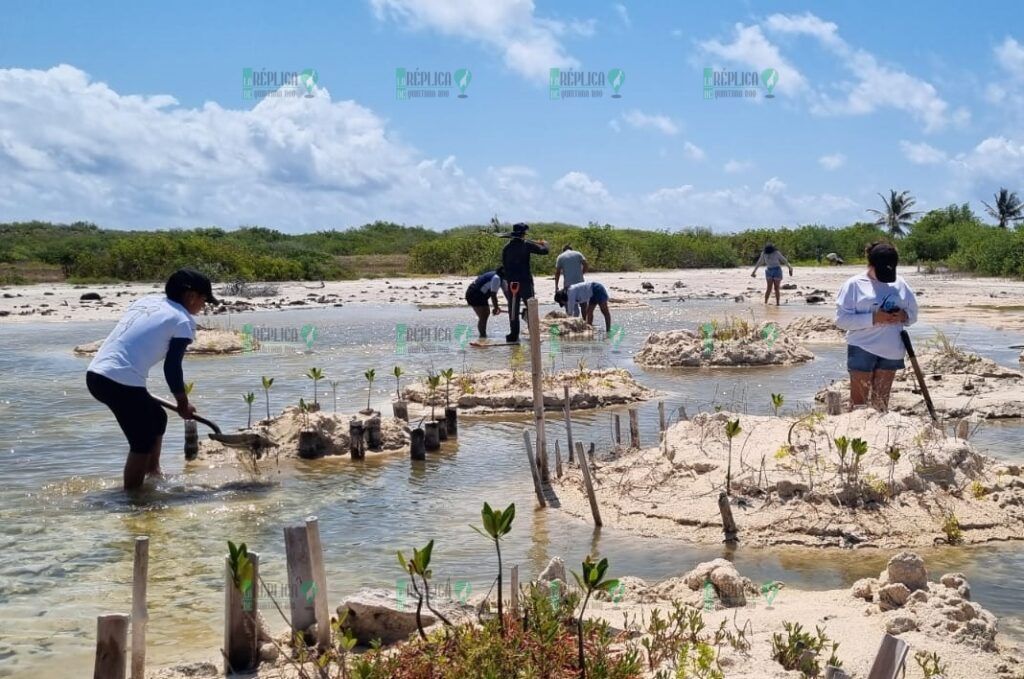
[{"x": 142, "y": 419}]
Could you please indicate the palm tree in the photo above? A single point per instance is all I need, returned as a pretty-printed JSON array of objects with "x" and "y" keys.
[
  {"x": 1008, "y": 208},
  {"x": 897, "y": 214}
]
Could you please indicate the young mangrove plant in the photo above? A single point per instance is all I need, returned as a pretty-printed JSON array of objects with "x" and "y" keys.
[
  {"x": 315, "y": 374},
  {"x": 860, "y": 448},
  {"x": 268, "y": 382},
  {"x": 893, "y": 452},
  {"x": 334, "y": 393},
  {"x": 241, "y": 570},
  {"x": 732, "y": 428},
  {"x": 433, "y": 382},
  {"x": 398, "y": 372},
  {"x": 842, "y": 446},
  {"x": 370, "y": 376},
  {"x": 448, "y": 376},
  {"x": 419, "y": 565},
  {"x": 591, "y": 581},
  {"x": 497, "y": 524},
  {"x": 931, "y": 664},
  {"x": 777, "y": 401},
  {"x": 189, "y": 386},
  {"x": 249, "y": 398},
  {"x": 799, "y": 650},
  {"x": 304, "y": 411}
]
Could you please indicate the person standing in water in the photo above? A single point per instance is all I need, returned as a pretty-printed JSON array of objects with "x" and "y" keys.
[
  {"x": 484, "y": 288},
  {"x": 772, "y": 260},
  {"x": 873, "y": 308},
  {"x": 154, "y": 328},
  {"x": 569, "y": 268},
  {"x": 515, "y": 260}
]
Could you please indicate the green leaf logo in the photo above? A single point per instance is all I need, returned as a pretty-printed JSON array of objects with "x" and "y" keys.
[
  {"x": 309, "y": 334},
  {"x": 463, "y": 77},
  {"x": 616, "y": 77},
  {"x": 308, "y": 591},
  {"x": 308, "y": 79},
  {"x": 769, "y": 78}
]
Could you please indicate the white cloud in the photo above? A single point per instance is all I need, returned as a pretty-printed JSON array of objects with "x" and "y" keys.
[
  {"x": 735, "y": 166},
  {"x": 578, "y": 184},
  {"x": 774, "y": 186},
  {"x": 614, "y": 124},
  {"x": 751, "y": 49},
  {"x": 832, "y": 161},
  {"x": 673, "y": 194},
  {"x": 623, "y": 13},
  {"x": 1010, "y": 55},
  {"x": 677, "y": 33},
  {"x": 530, "y": 44},
  {"x": 921, "y": 153},
  {"x": 693, "y": 152},
  {"x": 995, "y": 160},
  {"x": 638, "y": 119}
]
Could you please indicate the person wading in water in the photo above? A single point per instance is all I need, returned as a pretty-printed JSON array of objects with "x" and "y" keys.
[
  {"x": 154, "y": 328},
  {"x": 772, "y": 260},
  {"x": 515, "y": 260}
]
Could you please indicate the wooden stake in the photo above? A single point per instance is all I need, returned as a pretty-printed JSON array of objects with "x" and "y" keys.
[
  {"x": 140, "y": 613},
  {"x": 537, "y": 375},
  {"x": 514, "y": 591},
  {"x": 241, "y": 632},
  {"x": 191, "y": 440},
  {"x": 567, "y": 408},
  {"x": 618, "y": 431},
  {"x": 320, "y": 606},
  {"x": 728, "y": 524},
  {"x": 533, "y": 469},
  {"x": 833, "y": 402},
  {"x": 111, "y": 644},
  {"x": 589, "y": 487},
  {"x": 634, "y": 429},
  {"x": 558, "y": 461},
  {"x": 300, "y": 578},
  {"x": 661, "y": 417},
  {"x": 356, "y": 439}
]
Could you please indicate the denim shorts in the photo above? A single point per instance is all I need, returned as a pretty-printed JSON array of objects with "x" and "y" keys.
[
  {"x": 773, "y": 273},
  {"x": 864, "y": 361},
  {"x": 598, "y": 294}
]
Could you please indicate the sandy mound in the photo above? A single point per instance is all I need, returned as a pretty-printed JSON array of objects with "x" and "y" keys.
[
  {"x": 568, "y": 327},
  {"x": 790, "y": 487},
  {"x": 737, "y": 343},
  {"x": 961, "y": 384},
  {"x": 285, "y": 428},
  {"x": 815, "y": 330},
  {"x": 493, "y": 391},
  {"x": 212, "y": 342}
]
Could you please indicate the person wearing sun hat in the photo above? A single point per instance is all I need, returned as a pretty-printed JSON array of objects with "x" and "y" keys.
[
  {"x": 153, "y": 328},
  {"x": 873, "y": 308},
  {"x": 515, "y": 259}
]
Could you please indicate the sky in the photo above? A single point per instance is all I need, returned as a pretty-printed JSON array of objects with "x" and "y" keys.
[{"x": 134, "y": 115}]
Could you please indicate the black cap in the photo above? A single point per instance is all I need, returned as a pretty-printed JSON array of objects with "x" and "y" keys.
[
  {"x": 520, "y": 228},
  {"x": 884, "y": 258},
  {"x": 184, "y": 280}
]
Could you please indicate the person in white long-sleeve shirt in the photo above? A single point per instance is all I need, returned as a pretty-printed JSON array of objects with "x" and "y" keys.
[
  {"x": 873, "y": 308},
  {"x": 583, "y": 298}
]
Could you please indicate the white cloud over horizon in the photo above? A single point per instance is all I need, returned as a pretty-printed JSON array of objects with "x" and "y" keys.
[{"x": 639, "y": 120}]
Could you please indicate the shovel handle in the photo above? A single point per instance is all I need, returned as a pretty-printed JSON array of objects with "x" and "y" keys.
[
  {"x": 170, "y": 406},
  {"x": 919, "y": 374}
]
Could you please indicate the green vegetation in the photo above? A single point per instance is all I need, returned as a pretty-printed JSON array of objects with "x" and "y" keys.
[
  {"x": 497, "y": 524},
  {"x": 732, "y": 428},
  {"x": 953, "y": 236},
  {"x": 268, "y": 382},
  {"x": 591, "y": 581},
  {"x": 799, "y": 650},
  {"x": 249, "y": 398},
  {"x": 930, "y": 663}
]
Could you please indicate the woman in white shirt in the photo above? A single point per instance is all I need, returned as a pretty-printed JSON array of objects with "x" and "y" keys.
[
  {"x": 873, "y": 308},
  {"x": 772, "y": 260}
]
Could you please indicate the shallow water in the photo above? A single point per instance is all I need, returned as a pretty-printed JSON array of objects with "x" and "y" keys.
[{"x": 67, "y": 530}]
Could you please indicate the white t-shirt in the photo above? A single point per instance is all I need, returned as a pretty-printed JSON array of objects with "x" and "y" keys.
[
  {"x": 492, "y": 286},
  {"x": 859, "y": 298},
  {"x": 578, "y": 294},
  {"x": 141, "y": 338}
]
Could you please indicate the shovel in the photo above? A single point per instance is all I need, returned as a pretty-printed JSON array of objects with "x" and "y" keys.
[
  {"x": 248, "y": 440},
  {"x": 905, "y": 336}
]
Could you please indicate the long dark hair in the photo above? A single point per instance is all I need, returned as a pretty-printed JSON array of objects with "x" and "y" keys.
[{"x": 769, "y": 248}]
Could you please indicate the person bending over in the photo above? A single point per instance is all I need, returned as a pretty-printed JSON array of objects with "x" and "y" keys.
[
  {"x": 154, "y": 328},
  {"x": 873, "y": 308},
  {"x": 484, "y": 288},
  {"x": 584, "y": 298}
]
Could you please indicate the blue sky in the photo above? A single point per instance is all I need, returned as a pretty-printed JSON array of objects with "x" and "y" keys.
[{"x": 131, "y": 114}]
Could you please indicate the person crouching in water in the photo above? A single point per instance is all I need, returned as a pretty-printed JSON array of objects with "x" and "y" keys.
[
  {"x": 484, "y": 288},
  {"x": 154, "y": 328},
  {"x": 515, "y": 260},
  {"x": 772, "y": 260},
  {"x": 585, "y": 297},
  {"x": 873, "y": 308}
]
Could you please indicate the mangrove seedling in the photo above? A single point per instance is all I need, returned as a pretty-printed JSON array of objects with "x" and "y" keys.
[
  {"x": 370, "y": 376},
  {"x": 433, "y": 382},
  {"x": 497, "y": 524},
  {"x": 315, "y": 374},
  {"x": 419, "y": 565},
  {"x": 777, "y": 401},
  {"x": 304, "y": 409},
  {"x": 268, "y": 382},
  {"x": 894, "y": 456},
  {"x": 842, "y": 445},
  {"x": 189, "y": 386},
  {"x": 249, "y": 398},
  {"x": 732, "y": 428},
  {"x": 591, "y": 581},
  {"x": 448, "y": 376},
  {"x": 930, "y": 663},
  {"x": 398, "y": 372},
  {"x": 860, "y": 448},
  {"x": 241, "y": 569},
  {"x": 334, "y": 393}
]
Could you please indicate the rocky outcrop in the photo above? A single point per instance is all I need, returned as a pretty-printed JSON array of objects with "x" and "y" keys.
[
  {"x": 557, "y": 323},
  {"x": 728, "y": 585},
  {"x": 765, "y": 345},
  {"x": 208, "y": 342},
  {"x": 384, "y": 614},
  {"x": 815, "y": 330}
]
